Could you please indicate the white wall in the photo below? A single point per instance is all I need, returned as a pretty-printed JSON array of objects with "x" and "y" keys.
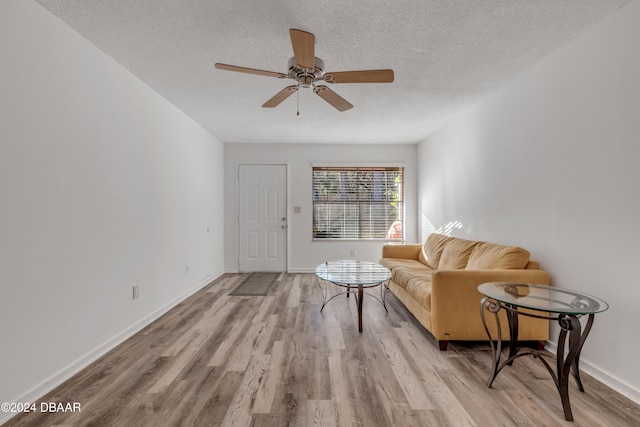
[
  {"x": 304, "y": 253},
  {"x": 103, "y": 185},
  {"x": 552, "y": 163}
]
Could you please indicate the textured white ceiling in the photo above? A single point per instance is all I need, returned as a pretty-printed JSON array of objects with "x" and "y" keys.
[{"x": 446, "y": 56}]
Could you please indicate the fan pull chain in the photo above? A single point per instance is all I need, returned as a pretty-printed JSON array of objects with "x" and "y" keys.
[{"x": 298, "y": 99}]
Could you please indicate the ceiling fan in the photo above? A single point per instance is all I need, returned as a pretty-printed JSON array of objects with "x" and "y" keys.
[{"x": 307, "y": 69}]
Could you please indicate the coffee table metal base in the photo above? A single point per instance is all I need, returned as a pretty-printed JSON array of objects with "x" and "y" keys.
[
  {"x": 358, "y": 292},
  {"x": 354, "y": 276}
]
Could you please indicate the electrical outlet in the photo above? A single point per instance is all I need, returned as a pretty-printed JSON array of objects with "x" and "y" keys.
[
  {"x": 352, "y": 252},
  {"x": 135, "y": 293}
]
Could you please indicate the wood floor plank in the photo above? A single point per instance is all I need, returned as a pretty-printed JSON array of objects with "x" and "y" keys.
[
  {"x": 340, "y": 390},
  {"x": 242, "y": 352},
  {"x": 179, "y": 362},
  {"x": 215, "y": 408},
  {"x": 276, "y": 360},
  {"x": 321, "y": 413},
  {"x": 221, "y": 355},
  {"x": 410, "y": 381},
  {"x": 265, "y": 341},
  {"x": 294, "y": 293},
  {"x": 240, "y": 409},
  {"x": 333, "y": 331},
  {"x": 267, "y": 388}
]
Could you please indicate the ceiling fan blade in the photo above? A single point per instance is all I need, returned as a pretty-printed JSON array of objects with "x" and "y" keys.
[
  {"x": 303, "y": 48},
  {"x": 280, "y": 96},
  {"x": 249, "y": 70},
  {"x": 332, "y": 98},
  {"x": 364, "y": 76}
]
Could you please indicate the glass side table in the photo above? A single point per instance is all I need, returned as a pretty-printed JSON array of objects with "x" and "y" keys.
[
  {"x": 354, "y": 276},
  {"x": 565, "y": 306}
]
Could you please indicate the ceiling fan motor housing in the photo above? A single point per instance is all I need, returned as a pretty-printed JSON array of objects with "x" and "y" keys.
[{"x": 305, "y": 76}]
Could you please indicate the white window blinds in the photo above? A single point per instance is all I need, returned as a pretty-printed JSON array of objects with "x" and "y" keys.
[{"x": 358, "y": 203}]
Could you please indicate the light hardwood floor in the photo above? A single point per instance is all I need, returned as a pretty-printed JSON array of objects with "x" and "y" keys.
[{"x": 219, "y": 360}]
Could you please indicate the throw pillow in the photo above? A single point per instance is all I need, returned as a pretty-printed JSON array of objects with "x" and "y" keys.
[
  {"x": 456, "y": 254},
  {"x": 432, "y": 249},
  {"x": 491, "y": 256}
]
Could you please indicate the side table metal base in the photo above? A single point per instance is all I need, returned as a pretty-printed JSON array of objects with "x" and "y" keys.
[{"x": 569, "y": 326}]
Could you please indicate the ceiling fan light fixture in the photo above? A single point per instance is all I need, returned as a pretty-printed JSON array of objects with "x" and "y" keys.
[{"x": 306, "y": 81}]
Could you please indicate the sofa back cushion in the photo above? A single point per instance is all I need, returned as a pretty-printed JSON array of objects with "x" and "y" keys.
[
  {"x": 456, "y": 254},
  {"x": 432, "y": 249},
  {"x": 491, "y": 256}
]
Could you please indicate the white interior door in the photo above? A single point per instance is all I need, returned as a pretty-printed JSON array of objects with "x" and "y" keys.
[{"x": 262, "y": 208}]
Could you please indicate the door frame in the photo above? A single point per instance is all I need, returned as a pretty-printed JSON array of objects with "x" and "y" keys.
[{"x": 287, "y": 208}]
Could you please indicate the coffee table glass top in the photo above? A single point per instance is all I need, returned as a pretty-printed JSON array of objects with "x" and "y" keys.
[
  {"x": 543, "y": 298},
  {"x": 353, "y": 272}
]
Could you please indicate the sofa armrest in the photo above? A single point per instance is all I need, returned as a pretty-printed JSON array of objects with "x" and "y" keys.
[
  {"x": 455, "y": 296},
  {"x": 401, "y": 251}
]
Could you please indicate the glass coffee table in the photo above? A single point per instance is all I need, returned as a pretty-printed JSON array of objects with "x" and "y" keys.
[
  {"x": 564, "y": 305},
  {"x": 354, "y": 276}
]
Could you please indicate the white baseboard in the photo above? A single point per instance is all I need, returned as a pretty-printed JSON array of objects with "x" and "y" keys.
[
  {"x": 37, "y": 392},
  {"x": 604, "y": 377},
  {"x": 290, "y": 270},
  {"x": 300, "y": 270}
]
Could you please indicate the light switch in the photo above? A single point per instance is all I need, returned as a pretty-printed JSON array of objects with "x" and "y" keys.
[{"x": 297, "y": 209}]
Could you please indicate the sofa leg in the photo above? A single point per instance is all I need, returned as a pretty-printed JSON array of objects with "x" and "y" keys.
[
  {"x": 540, "y": 345},
  {"x": 443, "y": 344}
]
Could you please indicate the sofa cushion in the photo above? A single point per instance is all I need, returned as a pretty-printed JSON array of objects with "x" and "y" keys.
[
  {"x": 402, "y": 275},
  {"x": 432, "y": 249},
  {"x": 456, "y": 254},
  {"x": 420, "y": 289},
  {"x": 491, "y": 256},
  {"x": 392, "y": 263}
]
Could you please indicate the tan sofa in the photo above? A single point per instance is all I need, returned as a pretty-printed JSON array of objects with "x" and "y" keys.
[{"x": 437, "y": 282}]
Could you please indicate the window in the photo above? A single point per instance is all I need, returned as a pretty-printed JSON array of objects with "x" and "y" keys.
[{"x": 358, "y": 203}]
